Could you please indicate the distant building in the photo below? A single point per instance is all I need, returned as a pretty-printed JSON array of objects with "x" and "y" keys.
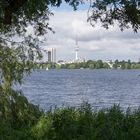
[
  {"x": 79, "y": 60},
  {"x": 110, "y": 63},
  {"x": 49, "y": 56},
  {"x": 76, "y": 48},
  {"x": 60, "y": 62},
  {"x": 52, "y": 55}
]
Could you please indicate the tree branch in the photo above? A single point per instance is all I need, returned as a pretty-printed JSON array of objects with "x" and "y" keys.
[{"x": 13, "y": 6}]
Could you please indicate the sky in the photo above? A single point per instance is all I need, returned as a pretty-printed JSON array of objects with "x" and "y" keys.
[{"x": 94, "y": 42}]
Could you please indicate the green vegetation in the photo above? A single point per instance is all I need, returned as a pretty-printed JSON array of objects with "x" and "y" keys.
[
  {"x": 21, "y": 120},
  {"x": 126, "y": 65},
  {"x": 91, "y": 64},
  {"x": 16, "y": 14},
  {"x": 17, "y": 115}
]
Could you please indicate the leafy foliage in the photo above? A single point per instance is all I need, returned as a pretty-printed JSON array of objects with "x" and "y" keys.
[
  {"x": 16, "y": 15},
  {"x": 17, "y": 115},
  {"x": 13, "y": 65},
  {"x": 19, "y": 16},
  {"x": 84, "y": 123},
  {"x": 91, "y": 64},
  {"x": 22, "y": 120},
  {"x": 22, "y": 22},
  {"x": 125, "y": 13}
]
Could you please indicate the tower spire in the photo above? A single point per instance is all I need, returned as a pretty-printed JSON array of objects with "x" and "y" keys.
[{"x": 76, "y": 48}]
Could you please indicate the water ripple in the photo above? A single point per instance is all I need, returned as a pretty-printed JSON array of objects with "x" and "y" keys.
[{"x": 101, "y": 88}]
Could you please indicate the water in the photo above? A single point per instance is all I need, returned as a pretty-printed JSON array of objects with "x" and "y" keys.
[{"x": 101, "y": 88}]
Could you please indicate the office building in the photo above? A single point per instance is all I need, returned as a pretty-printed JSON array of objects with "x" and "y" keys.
[
  {"x": 52, "y": 55},
  {"x": 49, "y": 56}
]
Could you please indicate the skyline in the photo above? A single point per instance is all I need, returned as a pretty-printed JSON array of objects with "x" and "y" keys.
[{"x": 94, "y": 43}]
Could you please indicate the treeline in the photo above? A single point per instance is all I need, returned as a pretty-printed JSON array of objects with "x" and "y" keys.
[
  {"x": 91, "y": 64},
  {"x": 126, "y": 64}
]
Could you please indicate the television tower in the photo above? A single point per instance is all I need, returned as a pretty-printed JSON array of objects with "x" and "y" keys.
[{"x": 76, "y": 48}]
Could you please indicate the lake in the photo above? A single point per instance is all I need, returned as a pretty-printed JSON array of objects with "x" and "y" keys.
[{"x": 101, "y": 88}]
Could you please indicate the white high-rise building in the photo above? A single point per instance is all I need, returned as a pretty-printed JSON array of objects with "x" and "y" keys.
[{"x": 52, "y": 55}]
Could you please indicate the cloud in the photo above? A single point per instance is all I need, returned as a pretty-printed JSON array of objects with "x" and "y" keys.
[{"x": 94, "y": 43}]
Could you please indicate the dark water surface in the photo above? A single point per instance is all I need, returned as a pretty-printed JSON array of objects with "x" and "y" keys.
[{"x": 101, "y": 88}]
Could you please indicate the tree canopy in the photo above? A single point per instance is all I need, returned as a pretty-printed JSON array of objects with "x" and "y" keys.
[
  {"x": 18, "y": 52},
  {"x": 17, "y": 16},
  {"x": 125, "y": 12}
]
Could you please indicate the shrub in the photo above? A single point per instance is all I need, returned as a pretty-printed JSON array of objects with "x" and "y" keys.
[{"x": 22, "y": 120}]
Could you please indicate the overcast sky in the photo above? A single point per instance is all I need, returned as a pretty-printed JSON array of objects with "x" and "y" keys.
[{"x": 94, "y": 43}]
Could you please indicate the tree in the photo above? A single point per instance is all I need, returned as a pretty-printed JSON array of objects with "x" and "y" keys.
[
  {"x": 12, "y": 68},
  {"x": 116, "y": 63},
  {"x": 99, "y": 64},
  {"x": 17, "y": 57},
  {"x": 72, "y": 66},
  {"x": 57, "y": 66},
  {"x": 91, "y": 66},
  {"x": 21, "y": 12},
  {"x": 17, "y": 15},
  {"x": 128, "y": 65},
  {"x": 123, "y": 64},
  {"x": 108, "y": 12}
]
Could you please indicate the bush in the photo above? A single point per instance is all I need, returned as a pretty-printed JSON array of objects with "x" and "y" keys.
[
  {"x": 22, "y": 120},
  {"x": 17, "y": 115}
]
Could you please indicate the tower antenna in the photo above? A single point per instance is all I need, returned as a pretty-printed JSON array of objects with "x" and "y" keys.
[{"x": 76, "y": 47}]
